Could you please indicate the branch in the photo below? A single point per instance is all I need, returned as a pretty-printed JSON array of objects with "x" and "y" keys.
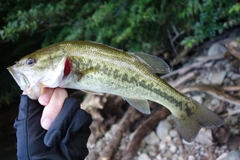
[
  {"x": 230, "y": 113},
  {"x": 117, "y": 133},
  {"x": 182, "y": 70},
  {"x": 215, "y": 91},
  {"x": 182, "y": 79},
  {"x": 231, "y": 88},
  {"x": 145, "y": 128},
  {"x": 201, "y": 60}
]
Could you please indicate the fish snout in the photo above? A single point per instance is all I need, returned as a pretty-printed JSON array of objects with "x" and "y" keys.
[{"x": 20, "y": 78}]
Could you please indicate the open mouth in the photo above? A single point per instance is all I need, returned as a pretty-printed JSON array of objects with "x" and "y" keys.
[{"x": 20, "y": 78}]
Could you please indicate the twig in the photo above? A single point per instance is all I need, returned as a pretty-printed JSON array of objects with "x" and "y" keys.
[
  {"x": 177, "y": 34},
  {"x": 201, "y": 60},
  {"x": 231, "y": 88},
  {"x": 182, "y": 70},
  {"x": 210, "y": 153},
  {"x": 182, "y": 79},
  {"x": 183, "y": 146},
  {"x": 230, "y": 113},
  {"x": 143, "y": 130},
  {"x": 215, "y": 91},
  {"x": 171, "y": 42},
  {"x": 180, "y": 56},
  {"x": 209, "y": 58},
  {"x": 117, "y": 133}
]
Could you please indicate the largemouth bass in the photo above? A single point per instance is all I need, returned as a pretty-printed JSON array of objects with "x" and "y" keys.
[{"x": 98, "y": 68}]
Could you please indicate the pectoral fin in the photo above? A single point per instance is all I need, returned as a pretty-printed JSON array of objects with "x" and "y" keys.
[
  {"x": 141, "y": 105},
  {"x": 156, "y": 64}
]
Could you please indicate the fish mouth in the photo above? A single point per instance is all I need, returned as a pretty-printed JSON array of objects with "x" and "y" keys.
[{"x": 20, "y": 78}]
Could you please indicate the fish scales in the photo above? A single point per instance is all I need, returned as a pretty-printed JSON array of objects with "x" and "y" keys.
[
  {"x": 102, "y": 69},
  {"x": 90, "y": 59}
]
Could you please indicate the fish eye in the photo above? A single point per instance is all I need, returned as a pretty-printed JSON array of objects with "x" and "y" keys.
[{"x": 31, "y": 61}]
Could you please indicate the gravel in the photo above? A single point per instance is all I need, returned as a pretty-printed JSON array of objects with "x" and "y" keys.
[{"x": 163, "y": 129}]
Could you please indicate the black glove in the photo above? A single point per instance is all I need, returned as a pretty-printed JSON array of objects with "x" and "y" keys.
[{"x": 66, "y": 138}]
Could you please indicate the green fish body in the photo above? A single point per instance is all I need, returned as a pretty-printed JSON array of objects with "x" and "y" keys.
[{"x": 98, "y": 68}]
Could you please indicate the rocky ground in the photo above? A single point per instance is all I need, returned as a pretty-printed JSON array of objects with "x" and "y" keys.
[{"x": 211, "y": 75}]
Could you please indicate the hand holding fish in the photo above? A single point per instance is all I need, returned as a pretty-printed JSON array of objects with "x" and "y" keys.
[
  {"x": 53, "y": 100},
  {"x": 98, "y": 68},
  {"x": 67, "y": 136}
]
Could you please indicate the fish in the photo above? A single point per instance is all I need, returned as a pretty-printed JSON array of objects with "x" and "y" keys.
[{"x": 98, "y": 68}]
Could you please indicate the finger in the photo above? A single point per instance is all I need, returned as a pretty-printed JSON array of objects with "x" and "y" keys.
[
  {"x": 45, "y": 96},
  {"x": 53, "y": 108}
]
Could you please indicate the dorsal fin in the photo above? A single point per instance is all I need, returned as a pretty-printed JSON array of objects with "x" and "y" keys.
[{"x": 156, "y": 64}]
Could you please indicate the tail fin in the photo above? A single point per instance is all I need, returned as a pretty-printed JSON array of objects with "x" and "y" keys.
[{"x": 189, "y": 128}]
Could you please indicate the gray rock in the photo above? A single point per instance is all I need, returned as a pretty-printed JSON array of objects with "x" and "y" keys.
[
  {"x": 168, "y": 138},
  {"x": 217, "y": 49},
  {"x": 234, "y": 131},
  {"x": 191, "y": 157},
  {"x": 131, "y": 136},
  {"x": 233, "y": 155},
  {"x": 205, "y": 154},
  {"x": 163, "y": 129},
  {"x": 235, "y": 76},
  {"x": 229, "y": 74},
  {"x": 159, "y": 157},
  {"x": 108, "y": 135},
  {"x": 142, "y": 146},
  {"x": 162, "y": 146},
  {"x": 224, "y": 147},
  {"x": 101, "y": 143},
  {"x": 204, "y": 137},
  {"x": 144, "y": 156},
  {"x": 168, "y": 155},
  {"x": 196, "y": 147},
  {"x": 176, "y": 157},
  {"x": 222, "y": 156},
  {"x": 198, "y": 98},
  {"x": 231, "y": 120},
  {"x": 152, "y": 150},
  {"x": 173, "y": 133},
  {"x": 215, "y": 102},
  {"x": 152, "y": 153},
  {"x": 173, "y": 148},
  {"x": 217, "y": 77},
  {"x": 152, "y": 139}
]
